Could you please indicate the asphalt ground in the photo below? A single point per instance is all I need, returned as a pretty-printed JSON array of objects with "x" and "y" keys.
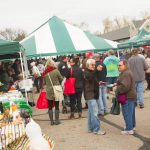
[{"x": 73, "y": 135}]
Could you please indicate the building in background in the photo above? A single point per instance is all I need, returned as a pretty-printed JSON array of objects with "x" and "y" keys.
[{"x": 124, "y": 33}]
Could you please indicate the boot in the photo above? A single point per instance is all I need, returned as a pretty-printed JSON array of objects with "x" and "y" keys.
[
  {"x": 71, "y": 116},
  {"x": 79, "y": 115},
  {"x": 50, "y": 112},
  {"x": 57, "y": 121}
]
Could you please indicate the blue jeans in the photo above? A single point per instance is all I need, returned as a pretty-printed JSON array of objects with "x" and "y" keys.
[
  {"x": 102, "y": 101},
  {"x": 93, "y": 120},
  {"x": 128, "y": 111},
  {"x": 139, "y": 85}
]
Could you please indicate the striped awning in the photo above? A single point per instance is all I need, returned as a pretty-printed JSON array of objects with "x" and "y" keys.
[{"x": 57, "y": 37}]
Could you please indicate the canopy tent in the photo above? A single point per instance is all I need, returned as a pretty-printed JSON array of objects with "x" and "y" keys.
[
  {"x": 145, "y": 40},
  {"x": 9, "y": 47},
  {"x": 136, "y": 40},
  {"x": 12, "y": 49},
  {"x": 57, "y": 37}
]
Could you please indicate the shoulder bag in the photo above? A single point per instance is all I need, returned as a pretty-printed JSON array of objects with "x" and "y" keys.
[{"x": 58, "y": 91}]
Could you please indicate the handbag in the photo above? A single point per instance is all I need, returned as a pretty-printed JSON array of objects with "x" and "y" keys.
[
  {"x": 69, "y": 86},
  {"x": 115, "y": 108},
  {"x": 42, "y": 102},
  {"x": 122, "y": 98},
  {"x": 58, "y": 91}
]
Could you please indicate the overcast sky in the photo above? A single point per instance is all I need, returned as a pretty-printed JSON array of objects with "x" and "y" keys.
[{"x": 30, "y": 14}]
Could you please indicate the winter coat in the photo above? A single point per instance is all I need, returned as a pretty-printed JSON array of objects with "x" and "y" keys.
[
  {"x": 126, "y": 85},
  {"x": 91, "y": 86},
  {"x": 62, "y": 67},
  {"x": 56, "y": 80}
]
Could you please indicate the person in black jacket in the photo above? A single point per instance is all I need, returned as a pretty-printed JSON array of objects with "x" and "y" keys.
[
  {"x": 91, "y": 92},
  {"x": 62, "y": 66},
  {"x": 75, "y": 99},
  {"x": 101, "y": 73}
]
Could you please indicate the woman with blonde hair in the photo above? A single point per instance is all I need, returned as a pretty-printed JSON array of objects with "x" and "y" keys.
[{"x": 51, "y": 73}]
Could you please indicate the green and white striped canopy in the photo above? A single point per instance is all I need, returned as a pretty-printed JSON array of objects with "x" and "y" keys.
[{"x": 57, "y": 37}]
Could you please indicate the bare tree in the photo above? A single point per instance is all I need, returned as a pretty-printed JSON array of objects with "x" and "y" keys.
[
  {"x": 145, "y": 15},
  {"x": 126, "y": 21},
  {"x": 118, "y": 22},
  {"x": 13, "y": 34},
  {"x": 107, "y": 23}
]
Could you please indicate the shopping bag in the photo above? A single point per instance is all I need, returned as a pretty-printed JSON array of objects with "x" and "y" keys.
[
  {"x": 69, "y": 88},
  {"x": 42, "y": 102},
  {"x": 115, "y": 108}
]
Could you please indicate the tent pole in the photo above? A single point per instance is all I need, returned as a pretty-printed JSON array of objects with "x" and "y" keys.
[
  {"x": 25, "y": 66},
  {"x": 118, "y": 54},
  {"x": 22, "y": 65},
  {"x": 23, "y": 74}
]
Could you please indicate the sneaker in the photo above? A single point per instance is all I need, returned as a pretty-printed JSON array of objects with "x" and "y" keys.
[
  {"x": 100, "y": 132},
  {"x": 134, "y": 129},
  {"x": 127, "y": 132}
]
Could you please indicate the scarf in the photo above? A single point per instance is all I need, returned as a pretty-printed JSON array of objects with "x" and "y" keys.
[{"x": 47, "y": 70}]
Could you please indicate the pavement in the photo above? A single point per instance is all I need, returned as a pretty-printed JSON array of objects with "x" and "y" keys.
[{"x": 73, "y": 135}]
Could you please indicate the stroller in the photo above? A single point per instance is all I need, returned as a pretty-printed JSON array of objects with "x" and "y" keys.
[{"x": 66, "y": 103}]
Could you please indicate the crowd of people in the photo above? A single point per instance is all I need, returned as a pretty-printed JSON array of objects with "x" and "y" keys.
[{"x": 93, "y": 73}]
